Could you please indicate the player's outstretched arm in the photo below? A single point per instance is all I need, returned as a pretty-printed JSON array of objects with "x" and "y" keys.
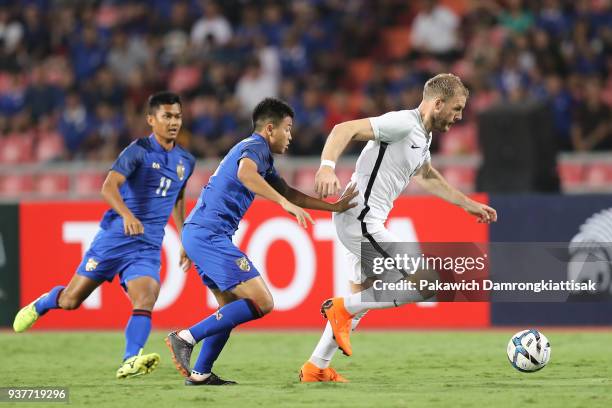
[
  {"x": 178, "y": 213},
  {"x": 110, "y": 192},
  {"x": 305, "y": 201},
  {"x": 433, "y": 182},
  {"x": 326, "y": 182},
  {"x": 248, "y": 175}
]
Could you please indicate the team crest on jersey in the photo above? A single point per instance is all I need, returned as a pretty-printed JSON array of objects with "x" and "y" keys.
[
  {"x": 91, "y": 265},
  {"x": 243, "y": 264},
  {"x": 156, "y": 166},
  {"x": 218, "y": 315},
  {"x": 180, "y": 171}
]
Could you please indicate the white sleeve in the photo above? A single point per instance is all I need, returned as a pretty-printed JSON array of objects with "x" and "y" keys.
[{"x": 392, "y": 126}]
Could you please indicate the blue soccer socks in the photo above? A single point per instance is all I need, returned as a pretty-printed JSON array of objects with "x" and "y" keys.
[
  {"x": 49, "y": 301},
  {"x": 211, "y": 348},
  {"x": 137, "y": 332},
  {"x": 226, "y": 318}
]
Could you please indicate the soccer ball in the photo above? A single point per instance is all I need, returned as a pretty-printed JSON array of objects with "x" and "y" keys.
[{"x": 528, "y": 351}]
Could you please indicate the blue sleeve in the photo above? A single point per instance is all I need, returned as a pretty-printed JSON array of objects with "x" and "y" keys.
[
  {"x": 129, "y": 160},
  {"x": 253, "y": 152}
]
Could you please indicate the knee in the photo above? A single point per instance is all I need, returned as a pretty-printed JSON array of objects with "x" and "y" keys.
[
  {"x": 68, "y": 301},
  {"x": 265, "y": 305},
  {"x": 145, "y": 301}
]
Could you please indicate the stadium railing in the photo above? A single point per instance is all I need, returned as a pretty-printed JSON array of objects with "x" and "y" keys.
[{"x": 80, "y": 180}]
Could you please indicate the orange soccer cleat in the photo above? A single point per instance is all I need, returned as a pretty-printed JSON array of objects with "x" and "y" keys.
[
  {"x": 311, "y": 373},
  {"x": 340, "y": 319}
]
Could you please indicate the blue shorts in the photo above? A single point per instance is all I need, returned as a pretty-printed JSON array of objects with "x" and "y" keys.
[
  {"x": 114, "y": 253},
  {"x": 220, "y": 264}
]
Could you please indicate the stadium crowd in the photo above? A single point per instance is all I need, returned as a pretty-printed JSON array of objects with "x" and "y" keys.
[{"x": 74, "y": 75}]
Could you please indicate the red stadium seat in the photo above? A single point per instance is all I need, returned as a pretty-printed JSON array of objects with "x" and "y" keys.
[
  {"x": 88, "y": 183},
  {"x": 52, "y": 184},
  {"x": 360, "y": 71},
  {"x": 16, "y": 148},
  {"x": 184, "y": 78},
  {"x": 15, "y": 185},
  {"x": 397, "y": 41},
  {"x": 50, "y": 146},
  {"x": 599, "y": 175}
]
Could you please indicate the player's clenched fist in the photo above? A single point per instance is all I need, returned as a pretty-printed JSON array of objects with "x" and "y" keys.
[
  {"x": 132, "y": 225},
  {"x": 326, "y": 182}
]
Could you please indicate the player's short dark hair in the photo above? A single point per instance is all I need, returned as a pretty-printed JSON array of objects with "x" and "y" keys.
[
  {"x": 162, "y": 98},
  {"x": 271, "y": 110}
]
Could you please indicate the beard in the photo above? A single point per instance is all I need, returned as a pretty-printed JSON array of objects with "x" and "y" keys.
[{"x": 439, "y": 125}]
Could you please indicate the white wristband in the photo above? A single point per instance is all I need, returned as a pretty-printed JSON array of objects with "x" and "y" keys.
[{"x": 329, "y": 163}]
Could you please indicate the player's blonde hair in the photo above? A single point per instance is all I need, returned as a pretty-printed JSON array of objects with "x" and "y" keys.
[{"x": 444, "y": 86}]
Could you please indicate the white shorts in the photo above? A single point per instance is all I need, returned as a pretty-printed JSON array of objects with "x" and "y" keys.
[{"x": 351, "y": 235}]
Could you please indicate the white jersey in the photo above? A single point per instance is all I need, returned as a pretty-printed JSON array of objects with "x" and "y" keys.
[{"x": 386, "y": 164}]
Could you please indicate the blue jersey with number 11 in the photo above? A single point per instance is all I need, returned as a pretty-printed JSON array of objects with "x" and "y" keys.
[{"x": 154, "y": 178}]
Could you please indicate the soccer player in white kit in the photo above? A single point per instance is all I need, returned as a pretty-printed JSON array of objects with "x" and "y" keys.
[{"x": 397, "y": 151}]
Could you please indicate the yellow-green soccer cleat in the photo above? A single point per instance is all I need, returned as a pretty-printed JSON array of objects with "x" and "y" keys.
[
  {"x": 138, "y": 365},
  {"x": 26, "y": 317}
]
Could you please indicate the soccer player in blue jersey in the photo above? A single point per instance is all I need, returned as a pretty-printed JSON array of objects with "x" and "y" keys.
[
  {"x": 145, "y": 185},
  {"x": 247, "y": 170}
]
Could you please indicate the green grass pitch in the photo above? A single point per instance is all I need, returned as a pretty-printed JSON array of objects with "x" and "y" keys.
[{"x": 387, "y": 369}]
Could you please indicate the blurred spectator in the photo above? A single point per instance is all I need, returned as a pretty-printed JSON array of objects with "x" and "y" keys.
[
  {"x": 254, "y": 85},
  {"x": 248, "y": 29},
  {"x": 213, "y": 128},
  {"x": 592, "y": 129},
  {"x": 561, "y": 102},
  {"x": 127, "y": 55},
  {"x": 11, "y": 31},
  {"x": 40, "y": 97},
  {"x": 547, "y": 54},
  {"x": 517, "y": 18},
  {"x": 212, "y": 25},
  {"x": 88, "y": 54},
  {"x": 293, "y": 59},
  {"x": 273, "y": 26},
  {"x": 36, "y": 38},
  {"x": 103, "y": 89},
  {"x": 107, "y": 128},
  {"x": 553, "y": 19},
  {"x": 309, "y": 121},
  {"x": 434, "y": 30},
  {"x": 12, "y": 98},
  {"x": 109, "y": 56},
  {"x": 75, "y": 123}
]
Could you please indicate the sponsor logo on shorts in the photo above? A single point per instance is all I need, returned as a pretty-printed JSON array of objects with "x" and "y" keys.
[
  {"x": 243, "y": 264},
  {"x": 91, "y": 265}
]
